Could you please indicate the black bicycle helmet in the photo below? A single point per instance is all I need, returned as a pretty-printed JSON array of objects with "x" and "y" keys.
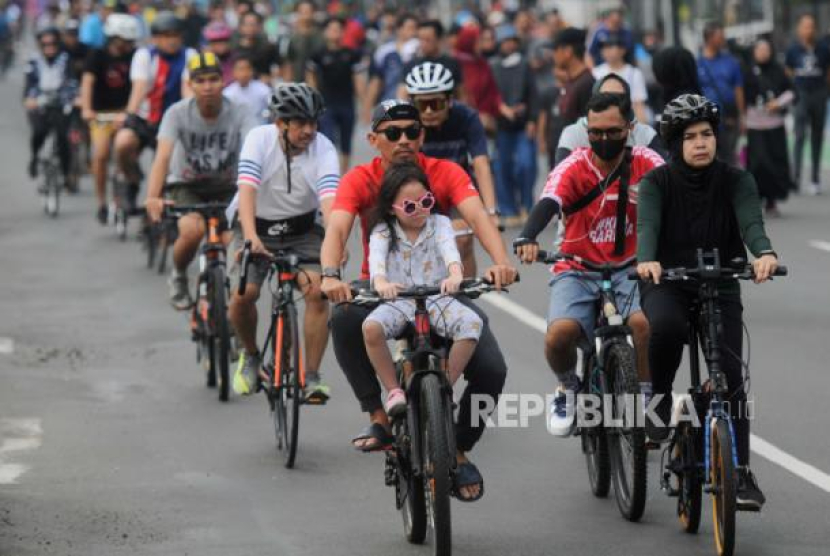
[
  {"x": 684, "y": 111},
  {"x": 166, "y": 22},
  {"x": 296, "y": 101}
]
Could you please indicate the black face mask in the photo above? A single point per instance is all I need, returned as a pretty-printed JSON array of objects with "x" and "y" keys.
[{"x": 608, "y": 149}]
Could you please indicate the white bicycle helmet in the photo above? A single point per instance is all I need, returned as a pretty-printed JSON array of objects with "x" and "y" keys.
[
  {"x": 123, "y": 26},
  {"x": 429, "y": 78}
]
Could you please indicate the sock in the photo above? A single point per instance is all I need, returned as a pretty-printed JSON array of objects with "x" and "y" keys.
[{"x": 568, "y": 381}]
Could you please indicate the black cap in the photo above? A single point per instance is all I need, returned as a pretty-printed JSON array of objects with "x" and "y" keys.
[
  {"x": 394, "y": 110},
  {"x": 569, "y": 37}
]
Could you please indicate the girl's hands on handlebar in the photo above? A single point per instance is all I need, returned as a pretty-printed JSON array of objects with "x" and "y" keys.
[
  {"x": 764, "y": 267},
  {"x": 387, "y": 290},
  {"x": 650, "y": 271}
]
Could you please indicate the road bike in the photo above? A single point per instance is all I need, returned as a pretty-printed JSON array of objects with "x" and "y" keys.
[
  {"x": 209, "y": 324},
  {"x": 283, "y": 363}
]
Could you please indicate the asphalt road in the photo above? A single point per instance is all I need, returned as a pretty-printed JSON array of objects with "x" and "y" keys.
[{"x": 110, "y": 444}]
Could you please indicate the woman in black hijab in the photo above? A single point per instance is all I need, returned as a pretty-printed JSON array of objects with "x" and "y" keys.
[
  {"x": 675, "y": 70},
  {"x": 697, "y": 202},
  {"x": 768, "y": 95}
]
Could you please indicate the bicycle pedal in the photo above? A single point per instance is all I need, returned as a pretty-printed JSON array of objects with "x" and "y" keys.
[
  {"x": 745, "y": 508},
  {"x": 651, "y": 445}
]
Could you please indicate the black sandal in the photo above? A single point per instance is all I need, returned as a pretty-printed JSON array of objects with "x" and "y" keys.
[
  {"x": 378, "y": 433},
  {"x": 467, "y": 475}
]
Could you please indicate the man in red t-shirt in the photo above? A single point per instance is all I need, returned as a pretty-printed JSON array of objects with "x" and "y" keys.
[
  {"x": 397, "y": 134},
  {"x": 590, "y": 233}
]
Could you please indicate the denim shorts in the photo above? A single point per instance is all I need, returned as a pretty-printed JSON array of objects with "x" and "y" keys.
[{"x": 574, "y": 294}]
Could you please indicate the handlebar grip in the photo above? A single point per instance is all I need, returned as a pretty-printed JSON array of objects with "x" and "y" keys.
[
  {"x": 633, "y": 274},
  {"x": 243, "y": 272},
  {"x": 781, "y": 271}
]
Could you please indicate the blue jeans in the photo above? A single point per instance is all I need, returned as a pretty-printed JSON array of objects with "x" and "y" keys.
[
  {"x": 515, "y": 169},
  {"x": 337, "y": 123}
]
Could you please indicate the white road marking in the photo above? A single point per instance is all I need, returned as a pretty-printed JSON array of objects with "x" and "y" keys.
[
  {"x": 17, "y": 436},
  {"x": 819, "y": 244},
  {"x": 758, "y": 445},
  {"x": 6, "y": 346}
]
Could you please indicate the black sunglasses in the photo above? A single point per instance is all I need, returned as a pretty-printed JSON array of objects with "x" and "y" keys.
[{"x": 393, "y": 133}]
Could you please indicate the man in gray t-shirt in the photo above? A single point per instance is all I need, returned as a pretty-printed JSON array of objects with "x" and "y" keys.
[{"x": 197, "y": 155}]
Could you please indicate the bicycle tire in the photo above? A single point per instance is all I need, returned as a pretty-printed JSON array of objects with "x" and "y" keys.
[
  {"x": 289, "y": 392},
  {"x": 437, "y": 462},
  {"x": 630, "y": 492},
  {"x": 724, "y": 503},
  {"x": 414, "y": 508},
  {"x": 164, "y": 241},
  {"x": 689, "y": 484},
  {"x": 595, "y": 446},
  {"x": 151, "y": 242},
  {"x": 220, "y": 330},
  {"x": 52, "y": 193}
]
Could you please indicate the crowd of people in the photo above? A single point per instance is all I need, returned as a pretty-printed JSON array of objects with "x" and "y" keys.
[{"x": 231, "y": 96}]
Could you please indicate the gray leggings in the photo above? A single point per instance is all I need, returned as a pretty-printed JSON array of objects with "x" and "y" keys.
[{"x": 810, "y": 110}]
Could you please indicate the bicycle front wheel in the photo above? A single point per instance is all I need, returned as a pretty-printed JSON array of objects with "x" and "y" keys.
[
  {"x": 52, "y": 191},
  {"x": 289, "y": 391},
  {"x": 595, "y": 443},
  {"x": 627, "y": 442},
  {"x": 437, "y": 462},
  {"x": 689, "y": 488},
  {"x": 722, "y": 470},
  {"x": 220, "y": 330}
]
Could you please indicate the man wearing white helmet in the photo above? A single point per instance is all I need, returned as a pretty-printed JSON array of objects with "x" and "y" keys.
[
  {"x": 453, "y": 132},
  {"x": 105, "y": 90}
]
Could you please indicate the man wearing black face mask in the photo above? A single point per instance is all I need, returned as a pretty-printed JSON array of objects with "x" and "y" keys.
[{"x": 595, "y": 188}]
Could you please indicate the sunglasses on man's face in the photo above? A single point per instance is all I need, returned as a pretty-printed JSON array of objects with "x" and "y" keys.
[
  {"x": 612, "y": 133},
  {"x": 394, "y": 133},
  {"x": 434, "y": 104},
  {"x": 410, "y": 207}
]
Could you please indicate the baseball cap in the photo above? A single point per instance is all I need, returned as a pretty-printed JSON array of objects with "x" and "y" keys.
[
  {"x": 394, "y": 110},
  {"x": 569, "y": 37}
]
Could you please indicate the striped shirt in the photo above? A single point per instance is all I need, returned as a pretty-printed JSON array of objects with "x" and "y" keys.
[{"x": 315, "y": 175}]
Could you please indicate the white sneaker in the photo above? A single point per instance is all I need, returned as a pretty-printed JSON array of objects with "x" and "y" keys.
[
  {"x": 814, "y": 189},
  {"x": 562, "y": 413}
]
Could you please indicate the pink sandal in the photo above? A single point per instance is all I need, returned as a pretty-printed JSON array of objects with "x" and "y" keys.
[{"x": 396, "y": 403}]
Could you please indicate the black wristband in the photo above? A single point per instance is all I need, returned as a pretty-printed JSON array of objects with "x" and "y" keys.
[{"x": 331, "y": 272}]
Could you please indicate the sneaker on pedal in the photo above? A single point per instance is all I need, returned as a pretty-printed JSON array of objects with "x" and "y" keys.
[
  {"x": 179, "y": 291},
  {"x": 246, "y": 377},
  {"x": 562, "y": 415},
  {"x": 749, "y": 496},
  {"x": 315, "y": 391}
]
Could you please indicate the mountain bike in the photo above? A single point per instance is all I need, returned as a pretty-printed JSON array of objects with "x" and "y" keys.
[
  {"x": 283, "y": 362},
  {"x": 209, "y": 324},
  {"x": 50, "y": 168},
  {"x": 423, "y": 461},
  {"x": 704, "y": 458},
  {"x": 615, "y": 453}
]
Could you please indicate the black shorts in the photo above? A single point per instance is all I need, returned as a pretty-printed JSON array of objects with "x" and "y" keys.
[{"x": 144, "y": 130}]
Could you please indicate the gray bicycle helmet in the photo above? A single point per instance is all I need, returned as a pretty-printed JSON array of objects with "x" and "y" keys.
[
  {"x": 166, "y": 22},
  {"x": 684, "y": 111},
  {"x": 296, "y": 101}
]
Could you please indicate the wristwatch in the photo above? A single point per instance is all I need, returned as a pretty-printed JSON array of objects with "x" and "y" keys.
[{"x": 331, "y": 272}]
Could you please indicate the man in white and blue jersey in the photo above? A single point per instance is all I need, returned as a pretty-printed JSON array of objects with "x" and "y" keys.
[{"x": 287, "y": 173}]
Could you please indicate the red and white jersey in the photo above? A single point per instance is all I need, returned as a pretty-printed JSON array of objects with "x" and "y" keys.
[{"x": 591, "y": 231}]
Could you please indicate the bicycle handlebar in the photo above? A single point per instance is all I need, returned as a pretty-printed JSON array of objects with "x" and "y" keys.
[
  {"x": 551, "y": 258},
  {"x": 205, "y": 209},
  {"x": 709, "y": 273},
  {"x": 472, "y": 288},
  {"x": 281, "y": 259}
]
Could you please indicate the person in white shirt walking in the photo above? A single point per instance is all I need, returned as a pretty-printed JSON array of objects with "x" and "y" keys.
[
  {"x": 614, "y": 52},
  {"x": 249, "y": 92}
]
